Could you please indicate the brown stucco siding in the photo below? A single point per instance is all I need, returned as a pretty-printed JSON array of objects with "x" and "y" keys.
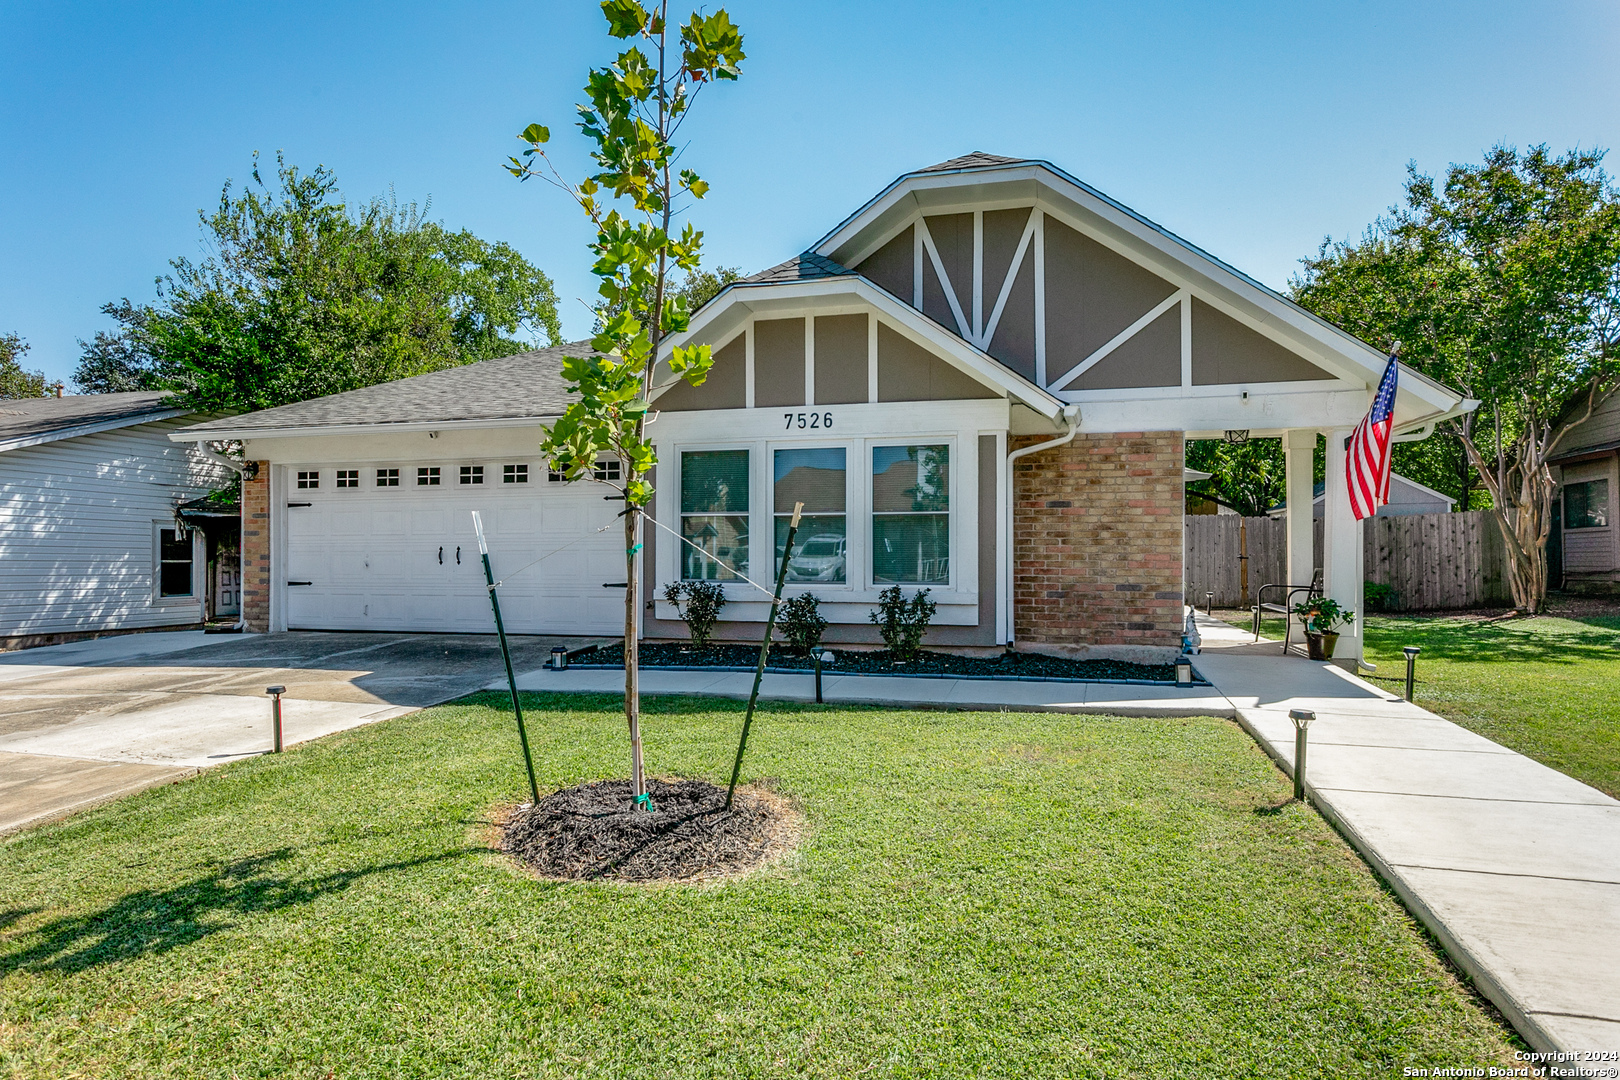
[
  {"x": 725, "y": 388},
  {"x": 1149, "y": 357},
  {"x": 1091, "y": 295},
  {"x": 1014, "y": 340},
  {"x": 893, "y": 266},
  {"x": 841, "y": 359},
  {"x": 256, "y": 550},
  {"x": 1097, "y": 542},
  {"x": 778, "y": 362},
  {"x": 909, "y": 372},
  {"x": 1226, "y": 351}
]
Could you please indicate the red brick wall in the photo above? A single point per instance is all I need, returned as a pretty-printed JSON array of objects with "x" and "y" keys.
[
  {"x": 256, "y": 550},
  {"x": 1097, "y": 541}
]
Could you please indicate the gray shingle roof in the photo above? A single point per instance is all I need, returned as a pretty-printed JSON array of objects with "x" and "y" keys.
[
  {"x": 969, "y": 161},
  {"x": 806, "y": 267},
  {"x": 524, "y": 386},
  {"x": 32, "y": 418}
]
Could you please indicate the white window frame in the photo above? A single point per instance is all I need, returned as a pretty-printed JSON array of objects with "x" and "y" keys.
[
  {"x": 731, "y": 587},
  {"x": 198, "y": 554},
  {"x": 855, "y": 507},
  {"x": 953, "y": 512}
]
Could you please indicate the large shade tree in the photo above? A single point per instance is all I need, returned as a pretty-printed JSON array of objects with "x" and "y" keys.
[
  {"x": 17, "y": 381},
  {"x": 301, "y": 294},
  {"x": 633, "y": 113},
  {"x": 1503, "y": 280}
]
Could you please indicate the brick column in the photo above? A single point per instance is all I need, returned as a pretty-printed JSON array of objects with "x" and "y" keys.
[
  {"x": 256, "y": 550},
  {"x": 1097, "y": 545}
]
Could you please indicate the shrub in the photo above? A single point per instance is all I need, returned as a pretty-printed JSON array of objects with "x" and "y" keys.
[
  {"x": 1377, "y": 597},
  {"x": 699, "y": 603},
  {"x": 801, "y": 622},
  {"x": 902, "y": 622}
]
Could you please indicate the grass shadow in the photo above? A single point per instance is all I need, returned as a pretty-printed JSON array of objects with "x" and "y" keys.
[
  {"x": 1274, "y": 809},
  {"x": 153, "y": 921}
]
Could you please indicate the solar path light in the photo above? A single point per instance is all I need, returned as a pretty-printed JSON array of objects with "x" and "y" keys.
[
  {"x": 1302, "y": 719},
  {"x": 821, "y": 658},
  {"x": 1184, "y": 672},
  {"x": 275, "y": 693},
  {"x": 1411, "y": 652},
  {"x": 1209, "y": 603}
]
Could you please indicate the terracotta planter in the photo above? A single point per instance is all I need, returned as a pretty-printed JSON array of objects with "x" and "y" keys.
[{"x": 1320, "y": 646}]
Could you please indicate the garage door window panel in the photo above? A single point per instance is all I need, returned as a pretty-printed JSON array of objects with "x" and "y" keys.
[
  {"x": 427, "y": 476},
  {"x": 714, "y": 515},
  {"x": 817, "y": 477},
  {"x": 911, "y": 519}
]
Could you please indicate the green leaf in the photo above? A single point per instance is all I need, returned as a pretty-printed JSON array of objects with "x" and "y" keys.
[
  {"x": 536, "y": 133},
  {"x": 625, "y": 17}
]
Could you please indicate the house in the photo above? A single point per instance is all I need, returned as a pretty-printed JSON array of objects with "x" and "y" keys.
[
  {"x": 979, "y": 383},
  {"x": 90, "y": 538},
  {"x": 1586, "y": 467},
  {"x": 1406, "y": 497}
]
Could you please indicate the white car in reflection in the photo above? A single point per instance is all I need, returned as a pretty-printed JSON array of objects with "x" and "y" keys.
[{"x": 820, "y": 558}]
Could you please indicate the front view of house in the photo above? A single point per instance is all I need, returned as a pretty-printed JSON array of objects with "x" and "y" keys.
[{"x": 980, "y": 383}]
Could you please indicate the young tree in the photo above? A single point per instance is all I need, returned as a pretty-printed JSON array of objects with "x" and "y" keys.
[
  {"x": 301, "y": 296},
  {"x": 15, "y": 382},
  {"x": 635, "y": 108},
  {"x": 1504, "y": 282}
]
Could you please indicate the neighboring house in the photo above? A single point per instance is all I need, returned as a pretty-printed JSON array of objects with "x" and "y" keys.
[
  {"x": 89, "y": 538},
  {"x": 1406, "y": 497},
  {"x": 979, "y": 383},
  {"x": 1586, "y": 466}
]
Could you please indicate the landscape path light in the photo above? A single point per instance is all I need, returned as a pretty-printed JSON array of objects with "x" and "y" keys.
[
  {"x": 825, "y": 657},
  {"x": 1302, "y": 719},
  {"x": 275, "y": 693},
  {"x": 1411, "y": 652},
  {"x": 1209, "y": 603},
  {"x": 1184, "y": 672}
]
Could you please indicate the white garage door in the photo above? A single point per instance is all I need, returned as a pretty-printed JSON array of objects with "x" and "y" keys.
[{"x": 406, "y": 557}]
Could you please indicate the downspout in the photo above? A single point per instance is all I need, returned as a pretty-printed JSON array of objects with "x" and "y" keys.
[
  {"x": 1071, "y": 417},
  {"x": 237, "y": 466}
]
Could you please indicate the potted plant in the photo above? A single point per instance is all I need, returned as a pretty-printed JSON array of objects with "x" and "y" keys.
[{"x": 1322, "y": 616}]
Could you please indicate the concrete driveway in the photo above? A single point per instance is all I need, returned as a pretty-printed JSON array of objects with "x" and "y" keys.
[{"x": 93, "y": 720}]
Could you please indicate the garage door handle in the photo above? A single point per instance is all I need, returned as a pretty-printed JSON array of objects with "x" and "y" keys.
[
  {"x": 441, "y": 554},
  {"x": 458, "y": 554},
  {"x": 300, "y": 583},
  {"x": 291, "y": 505}
]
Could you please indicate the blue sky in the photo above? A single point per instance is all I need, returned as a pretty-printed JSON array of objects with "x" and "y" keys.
[{"x": 1251, "y": 129}]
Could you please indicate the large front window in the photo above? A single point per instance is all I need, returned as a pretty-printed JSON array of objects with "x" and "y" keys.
[
  {"x": 911, "y": 519},
  {"x": 714, "y": 515},
  {"x": 815, "y": 478}
]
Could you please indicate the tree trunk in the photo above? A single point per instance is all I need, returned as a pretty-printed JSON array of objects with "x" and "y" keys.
[
  {"x": 1524, "y": 517},
  {"x": 632, "y": 673}
]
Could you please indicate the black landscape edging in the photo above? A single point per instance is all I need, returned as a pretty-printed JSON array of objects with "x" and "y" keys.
[{"x": 1198, "y": 680}]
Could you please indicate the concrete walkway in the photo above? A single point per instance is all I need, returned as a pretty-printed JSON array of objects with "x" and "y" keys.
[{"x": 1513, "y": 866}]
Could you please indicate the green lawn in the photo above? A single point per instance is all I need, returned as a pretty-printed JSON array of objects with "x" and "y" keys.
[
  {"x": 976, "y": 895},
  {"x": 1546, "y": 687}
]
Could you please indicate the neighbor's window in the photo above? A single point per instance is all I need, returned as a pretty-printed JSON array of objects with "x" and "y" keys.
[
  {"x": 348, "y": 478},
  {"x": 514, "y": 474},
  {"x": 427, "y": 476},
  {"x": 174, "y": 563},
  {"x": 815, "y": 478},
  {"x": 388, "y": 478},
  {"x": 714, "y": 514},
  {"x": 911, "y": 519},
  {"x": 309, "y": 479},
  {"x": 472, "y": 474},
  {"x": 1586, "y": 505}
]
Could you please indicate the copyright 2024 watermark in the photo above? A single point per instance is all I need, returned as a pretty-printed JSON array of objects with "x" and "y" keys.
[{"x": 1557, "y": 1063}]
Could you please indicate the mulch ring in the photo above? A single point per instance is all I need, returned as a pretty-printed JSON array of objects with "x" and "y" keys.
[{"x": 595, "y": 832}]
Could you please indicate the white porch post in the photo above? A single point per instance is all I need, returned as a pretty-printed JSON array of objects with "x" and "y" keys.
[
  {"x": 1299, "y": 450},
  {"x": 1341, "y": 539}
]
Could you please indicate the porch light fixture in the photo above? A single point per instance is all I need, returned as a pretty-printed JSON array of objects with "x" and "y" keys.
[
  {"x": 1183, "y": 671},
  {"x": 1302, "y": 719},
  {"x": 1237, "y": 436}
]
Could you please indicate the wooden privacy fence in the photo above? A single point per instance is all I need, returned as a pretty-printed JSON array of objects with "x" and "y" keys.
[{"x": 1434, "y": 562}]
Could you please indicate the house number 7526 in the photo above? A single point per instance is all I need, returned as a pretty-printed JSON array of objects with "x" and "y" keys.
[{"x": 807, "y": 420}]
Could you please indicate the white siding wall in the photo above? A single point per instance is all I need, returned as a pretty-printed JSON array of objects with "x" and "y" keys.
[{"x": 77, "y": 540}]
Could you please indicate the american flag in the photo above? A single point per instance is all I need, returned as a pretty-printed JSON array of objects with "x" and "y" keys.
[{"x": 1369, "y": 449}]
